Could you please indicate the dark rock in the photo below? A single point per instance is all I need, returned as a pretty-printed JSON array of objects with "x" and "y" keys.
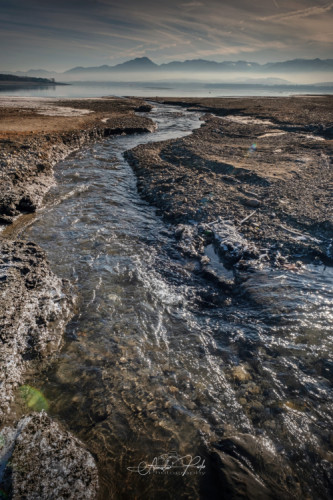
[
  {"x": 46, "y": 462},
  {"x": 144, "y": 108},
  {"x": 26, "y": 204},
  {"x": 5, "y": 219},
  {"x": 242, "y": 466},
  {"x": 251, "y": 202}
]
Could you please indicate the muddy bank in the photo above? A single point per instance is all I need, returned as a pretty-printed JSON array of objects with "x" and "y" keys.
[
  {"x": 296, "y": 113},
  {"x": 254, "y": 173},
  {"x": 37, "y": 133}
]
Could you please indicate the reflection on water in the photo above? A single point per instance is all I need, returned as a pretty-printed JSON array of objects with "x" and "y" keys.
[{"x": 146, "y": 368}]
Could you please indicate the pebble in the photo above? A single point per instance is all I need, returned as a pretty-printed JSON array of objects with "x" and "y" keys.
[
  {"x": 254, "y": 389},
  {"x": 240, "y": 373},
  {"x": 251, "y": 202}
]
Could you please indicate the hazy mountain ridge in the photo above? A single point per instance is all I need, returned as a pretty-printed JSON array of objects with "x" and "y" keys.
[
  {"x": 140, "y": 64},
  {"x": 143, "y": 69},
  {"x": 144, "y": 63}
]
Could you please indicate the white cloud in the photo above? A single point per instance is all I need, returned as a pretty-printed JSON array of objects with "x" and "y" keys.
[
  {"x": 298, "y": 14},
  {"x": 191, "y": 5}
]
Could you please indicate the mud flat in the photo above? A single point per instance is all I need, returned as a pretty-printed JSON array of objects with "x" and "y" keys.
[
  {"x": 36, "y": 133},
  {"x": 256, "y": 178},
  {"x": 38, "y": 458}
]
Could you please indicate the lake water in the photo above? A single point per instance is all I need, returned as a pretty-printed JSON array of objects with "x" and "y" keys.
[{"x": 156, "y": 89}]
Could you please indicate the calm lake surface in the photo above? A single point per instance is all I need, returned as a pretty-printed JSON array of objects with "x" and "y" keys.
[{"x": 156, "y": 89}]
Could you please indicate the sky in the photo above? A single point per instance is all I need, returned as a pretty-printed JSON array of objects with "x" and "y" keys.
[{"x": 59, "y": 34}]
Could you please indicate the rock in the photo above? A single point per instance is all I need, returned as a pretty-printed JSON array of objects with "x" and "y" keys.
[
  {"x": 190, "y": 243},
  {"x": 231, "y": 244},
  {"x": 24, "y": 190},
  {"x": 256, "y": 406},
  {"x": 5, "y": 219},
  {"x": 251, "y": 202},
  {"x": 253, "y": 389},
  {"x": 204, "y": 260},
  {"x": 47, "y": 462},
  {"x": 240, "y": 373},
  {"x": 35, "y": 306},
  {"x": 144, "y": 108},
  {"x": 243, "y": 466}
]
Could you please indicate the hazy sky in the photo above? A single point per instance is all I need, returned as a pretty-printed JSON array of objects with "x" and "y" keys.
[{"x": 60, "y": 34}]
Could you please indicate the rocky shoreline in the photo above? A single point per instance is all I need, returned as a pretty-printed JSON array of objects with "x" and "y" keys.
[
  {"x": 34, "y": 139},
  {"x": 35, "y": 306},
  {"x": 40, "y": 459},
  {"x": 252, "y": 188},
  {"x": 254, "y": 182}
]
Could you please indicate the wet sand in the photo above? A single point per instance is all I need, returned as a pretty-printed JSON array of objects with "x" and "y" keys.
[{"x": 30, "y": 117}]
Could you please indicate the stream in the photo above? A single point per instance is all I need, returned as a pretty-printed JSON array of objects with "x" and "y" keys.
[{"x": 149, "y": 369}]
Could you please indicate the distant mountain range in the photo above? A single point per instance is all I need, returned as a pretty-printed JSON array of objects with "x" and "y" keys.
[{"x": 143, "y": 65}]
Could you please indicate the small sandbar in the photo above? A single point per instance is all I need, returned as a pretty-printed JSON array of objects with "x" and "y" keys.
[
  {"x": 41, "y": 106},
  {"x": 246, "y": 120}
]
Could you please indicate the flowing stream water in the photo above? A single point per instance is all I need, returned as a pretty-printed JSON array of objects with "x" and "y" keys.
[{"x": 148, "y": 369}]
